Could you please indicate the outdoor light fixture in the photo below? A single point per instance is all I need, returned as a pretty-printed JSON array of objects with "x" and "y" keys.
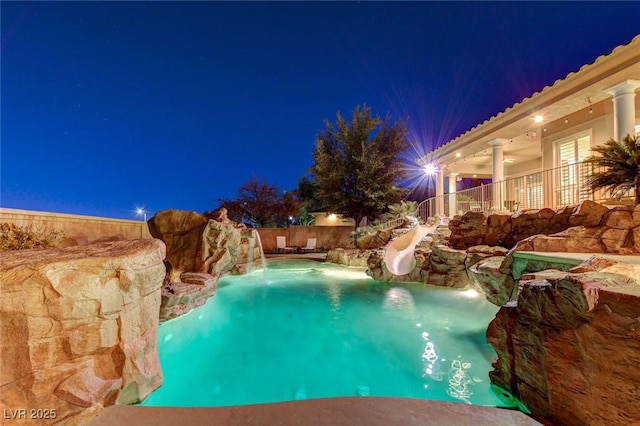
[
  {"x": 458, "y": 155},
  {"x": 141, "y": 212},
  {"x": 430, "y": 169},
  {"x": 538, "y": 119}
]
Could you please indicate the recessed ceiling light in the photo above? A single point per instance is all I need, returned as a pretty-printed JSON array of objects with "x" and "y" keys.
[{"x": 538, "y": 119}]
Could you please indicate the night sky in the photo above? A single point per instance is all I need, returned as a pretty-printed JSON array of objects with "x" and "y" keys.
[{"x": 111, "y": 105}]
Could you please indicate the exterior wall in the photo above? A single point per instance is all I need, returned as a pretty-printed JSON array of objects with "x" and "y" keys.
[
  {"x": 78, "y": 230},
  {"x": 324, "y": 219},
  {"x": 328, "y": 237}
]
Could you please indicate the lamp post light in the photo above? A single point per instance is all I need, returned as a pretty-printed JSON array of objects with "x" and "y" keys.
[{"x": 141, "y": 212}]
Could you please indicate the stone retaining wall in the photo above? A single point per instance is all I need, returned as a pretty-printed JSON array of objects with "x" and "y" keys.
[{"x": 596, "y": 228}]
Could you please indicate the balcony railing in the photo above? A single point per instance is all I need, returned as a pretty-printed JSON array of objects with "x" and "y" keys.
[{"x": 552, "y": 188}]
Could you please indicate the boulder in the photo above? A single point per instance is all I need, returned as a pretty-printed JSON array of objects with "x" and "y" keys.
[
  {"x": 469, "y": 230},
  {"x": 570, "y": 347},
  {"x": 79, "y": 326},
  {"x": 181, "y": 232},
  {"x": 597, "y": 228},
  {"x": 349, "y": 257},
  {"x": 497, "y": 287},
  {"x": 447, "y": 267},
  {"x": 588, "y": 213},
  {"x": 221, "y": 245},
  {"x": 375, "y": 241},
  {"x": 477, "y": 253},
  {"x": 193, "y": 290}
]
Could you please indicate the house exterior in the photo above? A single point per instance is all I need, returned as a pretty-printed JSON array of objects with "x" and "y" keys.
[
  {"x": 533, "y": 151},
  {"x": 331, "y": 219}
]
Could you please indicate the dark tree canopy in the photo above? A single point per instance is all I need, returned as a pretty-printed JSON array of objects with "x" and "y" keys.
[
  {"x": 620, "y": 163},
  {"x": 308, "y": 194},
  {"x": 357, "y": 164},
  {"x": 261, "y": 205}
]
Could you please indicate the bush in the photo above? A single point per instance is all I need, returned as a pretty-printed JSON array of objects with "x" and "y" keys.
[{"x": 14, "y": 237}]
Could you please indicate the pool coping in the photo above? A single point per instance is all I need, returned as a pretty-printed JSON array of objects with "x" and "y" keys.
[{"x": 324, "y": 411}]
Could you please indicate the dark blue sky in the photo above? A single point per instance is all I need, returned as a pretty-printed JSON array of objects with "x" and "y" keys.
[{"x": 110, "y": 105}]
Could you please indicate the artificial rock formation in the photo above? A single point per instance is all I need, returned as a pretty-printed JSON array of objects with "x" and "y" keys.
[
  {"x": 601, "y": 229},
  {"x": 79, "y": 326},
  {"x": 570, "y": 347},
  {"x": 440, "y": 265},
  {"x": 195, "y": 242},
  {"x": 193, "y": 290},
  {"x": 374, "y": 241},
  {"x": 181, "y": 231},
  {"x": 221, "y": 243},
  {"x": 349, "y": 257},
  {"x": 499, "y": 288},
  {"x": 200, "y": 248}
]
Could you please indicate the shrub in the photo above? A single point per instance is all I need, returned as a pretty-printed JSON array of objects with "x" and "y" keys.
[{"x": 14, "y": 237}]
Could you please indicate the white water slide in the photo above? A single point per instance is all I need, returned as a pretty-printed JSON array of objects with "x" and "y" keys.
[{"x": 399, "y": 255}]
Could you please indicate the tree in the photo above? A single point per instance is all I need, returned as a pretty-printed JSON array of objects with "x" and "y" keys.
[
  {"x": 357, "y": 164},
  {"x": 620, "y": 162},
  {"x": 260, "y": 204}
]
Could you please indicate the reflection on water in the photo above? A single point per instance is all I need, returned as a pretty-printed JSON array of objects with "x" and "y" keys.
[
  {"x": 460, "y": 382},
  {"x": 399, "y": 297},
  {"x": 333, "y": 288},
  {"x": 430, "y": 356}
]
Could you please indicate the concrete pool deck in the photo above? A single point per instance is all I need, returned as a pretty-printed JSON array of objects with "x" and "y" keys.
[{"x": 370, "y": 411}]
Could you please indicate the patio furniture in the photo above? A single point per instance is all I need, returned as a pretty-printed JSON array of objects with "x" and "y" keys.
[
  {"x": 311, "y": 245},
  {"x": 281, "y": 244}
]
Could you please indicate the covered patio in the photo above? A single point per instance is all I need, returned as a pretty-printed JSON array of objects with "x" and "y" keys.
[{"x": 533, "y": 152}]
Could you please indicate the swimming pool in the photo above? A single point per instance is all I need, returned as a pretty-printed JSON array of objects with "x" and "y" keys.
[{"x": 304, "y": 329}]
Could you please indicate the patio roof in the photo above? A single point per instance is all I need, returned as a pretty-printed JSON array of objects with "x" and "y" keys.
[{"x": 560, "y": 104}]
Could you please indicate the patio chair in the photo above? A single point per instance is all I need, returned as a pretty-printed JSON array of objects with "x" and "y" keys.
[
  {"x": 311, "y": 245},
  {"x": 281, "y": 244}
]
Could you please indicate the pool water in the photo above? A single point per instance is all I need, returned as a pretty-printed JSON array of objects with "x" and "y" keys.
[{"x": 304, "y": 329}]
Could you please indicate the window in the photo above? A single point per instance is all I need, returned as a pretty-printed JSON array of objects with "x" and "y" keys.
[{"x": 571, "y": 174}]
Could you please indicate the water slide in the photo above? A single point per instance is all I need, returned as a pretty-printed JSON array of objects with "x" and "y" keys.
[{"x": 399, "y": 256}]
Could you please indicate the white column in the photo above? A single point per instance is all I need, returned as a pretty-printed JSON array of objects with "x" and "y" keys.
[
  {"x": 624, "y": 109},
  {"x": 497, "y": 176},
  {"x": 453, "y": 179},
  {"x": 440, "y": 190}
]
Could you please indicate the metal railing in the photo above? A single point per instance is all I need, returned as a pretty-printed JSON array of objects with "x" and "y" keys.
[
  {"x": 389, "y": 224},
  {"x": 554, "y": 188}
]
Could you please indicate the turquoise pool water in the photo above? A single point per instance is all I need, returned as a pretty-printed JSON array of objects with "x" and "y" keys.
[{"x": 304, "y": 329}]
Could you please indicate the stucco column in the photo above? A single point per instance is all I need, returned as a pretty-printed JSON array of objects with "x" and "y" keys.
[
  {"x": 453, "y": 179},
  {"x": 497, "y": 176},
  {"x": 440, "y": 190},
  {"x": 624, "y": 109}
]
